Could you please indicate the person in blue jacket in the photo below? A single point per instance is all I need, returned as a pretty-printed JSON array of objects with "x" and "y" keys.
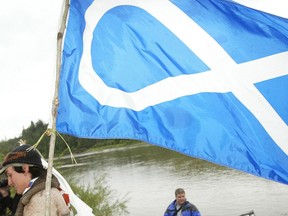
[{"x": 180, "y": 206}]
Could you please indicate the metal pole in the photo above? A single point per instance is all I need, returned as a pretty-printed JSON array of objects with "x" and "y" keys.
[{"x": 55, "y": 109}]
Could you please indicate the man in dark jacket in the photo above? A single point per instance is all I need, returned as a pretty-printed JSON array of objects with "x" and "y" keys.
[
  {"x": 180, "y": 206},
  {"x": 6, "y": 200},
  {"x": 3, "y": 208}
]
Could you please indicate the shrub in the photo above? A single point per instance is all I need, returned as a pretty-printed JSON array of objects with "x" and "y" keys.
[{"x": 101, "y": 198}]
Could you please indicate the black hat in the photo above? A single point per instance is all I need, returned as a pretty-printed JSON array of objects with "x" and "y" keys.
[{"x": 23, "y": 154}]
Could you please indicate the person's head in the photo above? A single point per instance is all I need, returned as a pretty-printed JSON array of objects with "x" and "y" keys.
[
  {"x": 180, "y": 196},
  {"x": 4, "y": 187},
  {"x": 21, "y": 165}
]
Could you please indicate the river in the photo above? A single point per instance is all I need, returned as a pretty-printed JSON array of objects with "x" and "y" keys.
[{"x": 148, "y": 175}]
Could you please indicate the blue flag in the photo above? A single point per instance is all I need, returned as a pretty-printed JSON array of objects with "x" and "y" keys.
[{"x": 205, "y": 78}]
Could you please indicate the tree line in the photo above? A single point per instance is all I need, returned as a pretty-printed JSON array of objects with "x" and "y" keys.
[{"x": 34, "y": 132}]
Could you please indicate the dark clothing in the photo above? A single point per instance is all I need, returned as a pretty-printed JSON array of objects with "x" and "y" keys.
[
  {"x": 15, "y": 202},
  {"x": 9, "y": 203},
  {"x": 3, "y": 206},
  {"x": 188, "y": 209}
]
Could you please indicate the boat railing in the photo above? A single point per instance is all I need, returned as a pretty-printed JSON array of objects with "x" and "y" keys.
[{"x": 251, "y": 213}]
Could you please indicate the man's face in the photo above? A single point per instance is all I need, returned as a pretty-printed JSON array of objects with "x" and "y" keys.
[
  {"x": 20, "y": 181},
  {"x": 180, "y": 198}
]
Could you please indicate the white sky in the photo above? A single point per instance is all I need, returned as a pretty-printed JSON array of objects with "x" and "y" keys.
[{"x": 28, "y": 30}]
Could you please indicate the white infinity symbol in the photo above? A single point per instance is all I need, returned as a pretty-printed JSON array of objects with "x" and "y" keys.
[{"x": 225, "y": 75}]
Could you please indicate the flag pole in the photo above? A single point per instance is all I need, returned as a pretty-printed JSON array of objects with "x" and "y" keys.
[{"x": 55, "y": 104}]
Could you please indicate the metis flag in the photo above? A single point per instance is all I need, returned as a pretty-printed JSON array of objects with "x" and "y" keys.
[{"x": 205, "y": 78}]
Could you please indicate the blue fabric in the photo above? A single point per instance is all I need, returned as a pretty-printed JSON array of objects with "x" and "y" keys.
[
  {"x": 188, "y": 209},
  {"x": 132, "y": 50}
]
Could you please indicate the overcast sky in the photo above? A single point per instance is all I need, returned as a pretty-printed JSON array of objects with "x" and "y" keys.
[{"x": 28, "y": 30}]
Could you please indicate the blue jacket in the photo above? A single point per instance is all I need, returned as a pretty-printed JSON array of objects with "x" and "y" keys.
[{"x": 188, "y": 209}]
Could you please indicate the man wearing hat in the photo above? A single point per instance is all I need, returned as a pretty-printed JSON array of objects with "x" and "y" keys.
[{"x": 26, "y": 174}]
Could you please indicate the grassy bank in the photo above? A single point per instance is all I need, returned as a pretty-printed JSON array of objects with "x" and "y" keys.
[{"x": 101, "y": 198}]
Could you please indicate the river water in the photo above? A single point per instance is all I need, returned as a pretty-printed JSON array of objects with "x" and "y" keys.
[{"x": 148, "y": 176}]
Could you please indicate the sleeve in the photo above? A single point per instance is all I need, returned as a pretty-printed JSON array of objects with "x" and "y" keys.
[
  {"x": 36, "y": 205},
  {"x": 192, "y": 209},
  {"x": 169, "y": 211},
  {"x": 166, "y": 213},
  {"x": 196, "y": 213},
  {"x": 59, "y": 203}
]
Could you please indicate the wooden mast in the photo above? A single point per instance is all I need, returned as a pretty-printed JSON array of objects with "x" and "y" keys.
[{"x": 55, "y": 104}]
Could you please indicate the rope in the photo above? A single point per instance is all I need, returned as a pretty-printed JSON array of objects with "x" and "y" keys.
[{"x": 48, "y": 132}]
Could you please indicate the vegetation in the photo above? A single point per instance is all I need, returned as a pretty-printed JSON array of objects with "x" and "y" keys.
[
  {"x": 100, "y": 198},
  {"x": 34, "y": 132}
]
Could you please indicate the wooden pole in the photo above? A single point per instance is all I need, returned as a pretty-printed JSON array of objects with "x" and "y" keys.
[{"x": 55, "y": 109}]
